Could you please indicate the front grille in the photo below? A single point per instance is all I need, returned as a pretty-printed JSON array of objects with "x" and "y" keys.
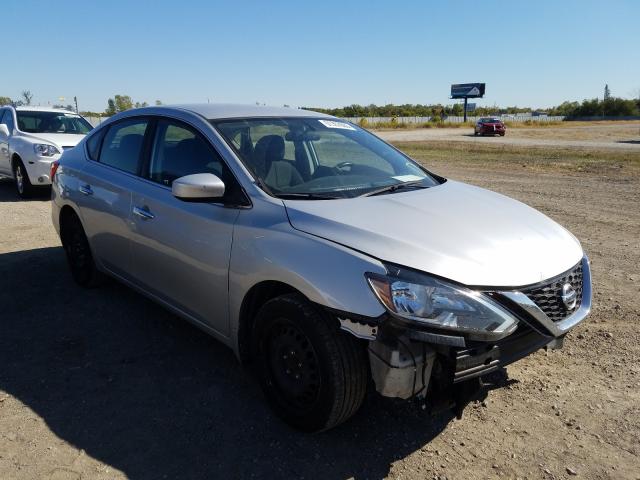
[{"x": 548, "y": 296}]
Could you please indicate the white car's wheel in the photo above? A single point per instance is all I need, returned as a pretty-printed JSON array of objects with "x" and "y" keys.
[{"x": 21, "y": 177}]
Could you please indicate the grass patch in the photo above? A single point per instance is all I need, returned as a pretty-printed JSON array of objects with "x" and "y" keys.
[
  {"x": 412, "y": 126},
  {"x": 534, "y": 158},
  {"x": 524, "y": 124},
  {"x": 534, "y": 124}
]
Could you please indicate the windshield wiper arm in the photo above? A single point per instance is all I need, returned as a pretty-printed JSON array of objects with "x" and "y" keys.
[
  {"x": 395, "y": 187},
  {"x": 305, "y": 196}
]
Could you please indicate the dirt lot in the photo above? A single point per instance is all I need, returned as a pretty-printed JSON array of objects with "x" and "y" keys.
[
  {"x": 104, "y": 384},
  {"x": 601, "y": 135}
]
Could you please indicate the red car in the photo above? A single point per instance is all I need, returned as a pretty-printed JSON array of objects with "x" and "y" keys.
[{"x": 490, "y": 126}]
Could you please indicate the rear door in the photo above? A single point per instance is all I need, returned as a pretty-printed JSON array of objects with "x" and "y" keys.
[
  {"x": 105, "y": 192},
  {"x": 181, "y": 249}
]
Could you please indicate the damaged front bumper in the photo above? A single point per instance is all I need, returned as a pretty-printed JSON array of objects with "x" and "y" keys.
[{"x": 411, "y": 360}]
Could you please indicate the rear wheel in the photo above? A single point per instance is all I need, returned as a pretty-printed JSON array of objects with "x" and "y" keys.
[
  {"x": 313, "y": 374},
  {"x": 23, "y": 185},
  {"x": 79, "y": 257}
]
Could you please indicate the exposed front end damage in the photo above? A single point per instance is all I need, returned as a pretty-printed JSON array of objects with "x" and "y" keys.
[{"x": 443, "y": 370}]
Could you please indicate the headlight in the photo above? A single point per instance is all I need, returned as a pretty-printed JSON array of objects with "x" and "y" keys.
[
  {"x": 45, "y": 150},
  {"x": 436, "y": 303}
]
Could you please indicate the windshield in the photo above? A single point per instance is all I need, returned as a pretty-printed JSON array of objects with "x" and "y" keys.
[
  {"x": 490, "y": 120},
  {"x": 319, "y": 158},
  {"x": 52, "y": 122}
]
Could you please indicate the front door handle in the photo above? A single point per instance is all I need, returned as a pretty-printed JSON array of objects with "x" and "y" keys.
[
  {"x": 143, "y": 213},
  {"x": 86, "y": 189}
]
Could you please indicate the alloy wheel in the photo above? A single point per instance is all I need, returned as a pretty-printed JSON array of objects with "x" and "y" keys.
[{"x": 19, "y": 179}]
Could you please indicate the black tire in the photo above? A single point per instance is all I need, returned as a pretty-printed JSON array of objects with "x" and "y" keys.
[
  {"x": 313, "y": 374},
  {"x": 76, "y": 246},
  {"x": 23, "y": 185}
]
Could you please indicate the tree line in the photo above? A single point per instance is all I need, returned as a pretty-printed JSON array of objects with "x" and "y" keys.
[
  {"x": 608, "y": 106},
  {"x": 117, "y": 104}
]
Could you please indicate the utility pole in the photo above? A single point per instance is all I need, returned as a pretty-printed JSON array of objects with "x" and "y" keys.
[
  {"x": 75, "y": 99},
  {"x": 465, "y": 109}
]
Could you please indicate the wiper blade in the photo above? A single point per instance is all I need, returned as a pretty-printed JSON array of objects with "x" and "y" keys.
[
  {"x": 305, "y": 196},
  {"x": 395, "y": 187}
]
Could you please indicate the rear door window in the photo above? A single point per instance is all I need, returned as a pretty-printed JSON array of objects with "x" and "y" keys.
[
  {"x": 122, "y": 145},
  {"x": 93, "y": 144}
]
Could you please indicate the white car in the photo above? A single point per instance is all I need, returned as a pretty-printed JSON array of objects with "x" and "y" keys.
[{"x": 31, "y": 138}]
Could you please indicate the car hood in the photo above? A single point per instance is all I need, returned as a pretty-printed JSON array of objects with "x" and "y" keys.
[
  {"x": 59, "y": 139},
  {"x": 454, "y": 230}
]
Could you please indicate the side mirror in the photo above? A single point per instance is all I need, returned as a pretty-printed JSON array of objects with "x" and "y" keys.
[
  {"x": 4, "y": 131},
  {"x": 199, "y": 186}
]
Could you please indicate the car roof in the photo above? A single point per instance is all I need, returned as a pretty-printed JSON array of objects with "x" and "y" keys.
[
  {"x": 43, "y": 109},
  {"x": 213, "y": 111}
]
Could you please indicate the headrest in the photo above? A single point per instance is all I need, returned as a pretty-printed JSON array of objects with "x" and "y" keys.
[
  {"x": 273, "y": 146},
  {"x": 131, "y": 143}
]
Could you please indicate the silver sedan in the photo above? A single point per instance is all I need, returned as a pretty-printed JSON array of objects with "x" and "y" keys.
[{"x": 321, "y": 255}]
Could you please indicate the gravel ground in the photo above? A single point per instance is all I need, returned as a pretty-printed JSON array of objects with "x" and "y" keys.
[
  {"x": 618, "y": 137},
  {"x": 103, "y": 384}
]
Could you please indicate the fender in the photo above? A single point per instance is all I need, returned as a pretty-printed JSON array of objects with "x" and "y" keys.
[{"x": 328, "y": 274}]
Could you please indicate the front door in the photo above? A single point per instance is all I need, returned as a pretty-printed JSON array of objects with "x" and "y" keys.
[
  {"x": 181, "y": 249},
  {"x": 6, "y": 118}
]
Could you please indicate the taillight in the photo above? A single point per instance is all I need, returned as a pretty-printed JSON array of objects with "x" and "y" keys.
[{"x": 54, "y": 169}]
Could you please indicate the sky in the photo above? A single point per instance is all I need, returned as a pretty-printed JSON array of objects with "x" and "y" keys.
[{"x": 323, "y": 53}]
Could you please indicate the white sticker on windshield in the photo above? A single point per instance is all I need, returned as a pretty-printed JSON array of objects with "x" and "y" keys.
[
  {"x": 407, "y": 178},
  {"x": 333, "y": 124}
]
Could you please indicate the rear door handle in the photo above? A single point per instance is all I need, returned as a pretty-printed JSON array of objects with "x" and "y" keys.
[
  {"x": 143, "y": 213},
  {"x": 86, "y": 189}
]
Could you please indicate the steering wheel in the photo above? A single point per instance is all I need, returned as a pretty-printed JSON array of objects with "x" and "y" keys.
[{"x": 342, "y": 165}]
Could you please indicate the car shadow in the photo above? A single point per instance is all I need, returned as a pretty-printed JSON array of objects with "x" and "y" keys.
[
  {"x": 8, "y": 192},
  {"x": 632, "y": 142},
  {"x": 141, "y": 390}
]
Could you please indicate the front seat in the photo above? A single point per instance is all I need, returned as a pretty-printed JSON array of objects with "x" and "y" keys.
[
  {"x": 189, "y": 156},
  {"x": 269, "y": 163}
]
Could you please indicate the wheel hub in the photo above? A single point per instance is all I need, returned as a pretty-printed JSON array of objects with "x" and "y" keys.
[
  {"x": 77, "y": 250},
  {"x": 294, "y": 365},
  {"x": 19, "y": 180}
]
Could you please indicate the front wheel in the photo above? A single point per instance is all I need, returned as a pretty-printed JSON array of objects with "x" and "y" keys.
[
  {"x": 313, "y": 374},
  {"x": 23, "y": 185}
]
